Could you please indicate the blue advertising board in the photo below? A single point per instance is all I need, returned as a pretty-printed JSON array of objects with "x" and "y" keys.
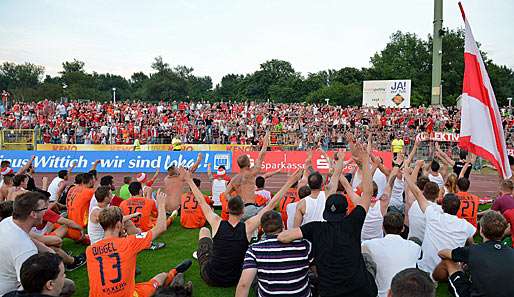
[{"x": 117, "y": 161}]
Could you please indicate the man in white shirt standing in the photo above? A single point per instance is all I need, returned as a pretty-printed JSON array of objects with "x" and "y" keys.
[
  {"x": 16, "y": 245},
  {"x": 444, "y": 230},
  {"x": 310, "y": 209},
  {"x": 384, "y": 252}
]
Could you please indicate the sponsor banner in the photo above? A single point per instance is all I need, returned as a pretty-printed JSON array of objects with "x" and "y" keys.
[
  {"x": 289, "y": 161},
  {"x": 389, "y": 93},
  {"x": 231, "y": 147},
  {"x": 85, "y": 147},
  {"x": 144, "y": 147},
  {"x": 53, "y": 161},
  {"x": 438, "y": 136}
]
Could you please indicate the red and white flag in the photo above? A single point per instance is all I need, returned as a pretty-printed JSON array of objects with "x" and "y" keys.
[{"x": 481, "y": 124}]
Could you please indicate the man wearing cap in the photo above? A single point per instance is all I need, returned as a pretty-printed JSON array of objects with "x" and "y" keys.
[{"x": 337, "y": 242}]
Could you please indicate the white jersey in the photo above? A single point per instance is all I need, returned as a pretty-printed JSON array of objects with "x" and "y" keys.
[
  {"x": 92, "y": 203},
  {"x": 392, "y": 254},
  {"x": 291, "y": 212},
  {"x": 218, "y": 186},
  {"x": 443, "y": 231},
  {"x": 372, "y": 227},
  {"x": 417, "y": 221},
  {"x": 314, "y": 208},
  {"x": 94, "y": 230},
  {"x": 53, "y": 187},
  {"x": 379, "y": 178}
]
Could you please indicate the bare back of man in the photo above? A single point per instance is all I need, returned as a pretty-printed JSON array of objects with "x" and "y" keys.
[
  {"x": 174, "y": 184},
  {"x": 173, "y": 187},
  {"x": 244, "y": 182},
  {"x": 15, "y": 192},
  {"x": 4, "y": 192}
]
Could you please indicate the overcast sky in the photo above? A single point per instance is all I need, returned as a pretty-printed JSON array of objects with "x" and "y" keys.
[{"x": 217, "y": 37}]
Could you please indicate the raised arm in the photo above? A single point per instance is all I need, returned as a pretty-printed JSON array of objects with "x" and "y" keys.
[
  {"x": 154, "y": 177},
  {"x": 380, "y": 165},
  {"x": 362, "y": 158},
  {"x": 412, "y": 153},
  {"x": 70, "y": 169},
  {"x": 160, "y": 227},
  {"x": 209, "y": 172},
  {"x": 386, "y": 196},
  {"x": 349, "y": 190},
  {"x": 25, "y": 167},
  {"x": 270, "y": 174},
  {"x": 334, "y": 180},
  {"x": 443, "y": 155},
  {"x": 253, "y": 223},
  {"x": 95, "y": 163},
  {"x": 258, "y": 163},
  {"x": 213, "y": 219},
  {"x": 418, "y": 194},
  {"x": 197, "y": 163}
]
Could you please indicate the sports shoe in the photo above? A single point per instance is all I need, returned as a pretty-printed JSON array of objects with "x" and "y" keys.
[
  {"x": 180, "y": 268},
  {"x": 156, "y": 245},
  {"x": 195, "y": 255},
  {"x": 184, "y": 266},
  {"x": 78, "y": 262}
]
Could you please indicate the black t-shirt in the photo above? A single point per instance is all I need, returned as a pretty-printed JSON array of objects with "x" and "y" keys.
[
  {"x": 229, "y": 246},
  {"x": 491, "y": 266},
  {"x": 338, "y": 257},
  {"x": 457, "y": 168}
]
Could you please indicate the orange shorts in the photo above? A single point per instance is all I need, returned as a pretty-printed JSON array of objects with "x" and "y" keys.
[{"x": 146, "y": 289}]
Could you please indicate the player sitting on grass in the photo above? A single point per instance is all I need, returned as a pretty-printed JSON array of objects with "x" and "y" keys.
[
  {"x": 137, "y": 203},
  {"x": 111, "y": 262},
  {"x": 191, "y": 215},
  {"x": 221, "y": 252},
  {"x": 104, "y": 196}
]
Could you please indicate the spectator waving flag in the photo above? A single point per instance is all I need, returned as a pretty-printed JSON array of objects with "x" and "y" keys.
[{"x": 481, "y": 124}]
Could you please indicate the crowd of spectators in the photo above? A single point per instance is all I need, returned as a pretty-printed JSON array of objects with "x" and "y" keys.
[{"x": 298, "y": 125}]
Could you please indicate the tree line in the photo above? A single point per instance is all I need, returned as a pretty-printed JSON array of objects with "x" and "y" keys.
[{"x": 405, "y": 56}]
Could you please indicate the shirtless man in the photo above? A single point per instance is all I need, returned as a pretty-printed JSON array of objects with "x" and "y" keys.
[
  {"x": 174, "y": 184},
  {"x": 19, "y": 186},
  {"x": 4, "y": 189},
  {"x": 244, "y": 182}
]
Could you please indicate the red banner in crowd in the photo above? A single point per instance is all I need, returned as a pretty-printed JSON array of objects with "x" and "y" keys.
[{"x": 289, "y": 161}]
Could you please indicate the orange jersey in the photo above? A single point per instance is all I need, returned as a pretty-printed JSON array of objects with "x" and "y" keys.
[
  {"x": 291, "y": 196},
  {"x": 146, "y": 207},
  {"x": 468, "y": 207},
  {"x": 224, "y": 206},
  {"x": 111, "y": 265},
  {"x": 191, "y": 214},
  {"x": 79, "y": 205},
  {"x": 71, "y": 195}
]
